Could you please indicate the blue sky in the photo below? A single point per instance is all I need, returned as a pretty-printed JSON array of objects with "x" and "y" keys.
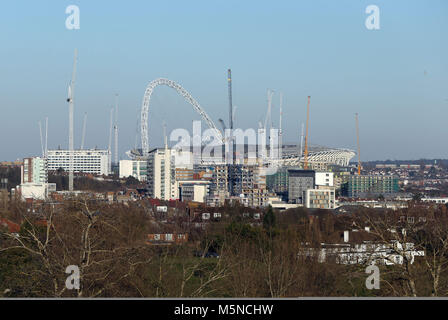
[{"x": 395, "y": 77}]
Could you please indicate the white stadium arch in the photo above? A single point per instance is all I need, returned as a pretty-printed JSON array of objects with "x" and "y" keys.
[{"x": 185, "y": 94}]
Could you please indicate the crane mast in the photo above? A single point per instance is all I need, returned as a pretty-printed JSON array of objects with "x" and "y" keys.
[
  {"x": 301, "y": 143},
  {"x": 46, "y": 136},
  {"x": 305, "y": 166},
  {"x": 41, "y": 140},
  {"x": 231, "y": 142},
  {"x": 84, "y": 131},
  {"x": 280, "y": 132},
  {"x": 116, "y": 131},
  {"x": 357, "y": 142},
  {"x": 229, "y": 81},
  {"x": 70, "y": 100}
]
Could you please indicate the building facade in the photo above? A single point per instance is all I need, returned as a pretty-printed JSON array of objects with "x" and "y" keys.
[
  {"x": 34, "y": 170},
  {"x": 298, "y": 182},
  {"x": 34, "y": 179},
  {"x": 194, "y": 191},
  {"x": 91, "y": 161},
  {"x": 324, "y": 179},
  {"x": 319, "y": 198},
  {"x": 134, "y": 168},
  {"x": 364, "y": 186},
  {"x": 161, "y": 175}
]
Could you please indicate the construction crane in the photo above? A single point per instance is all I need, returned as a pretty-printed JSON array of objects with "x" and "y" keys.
[
  {"x": 357, "y": 141},
  {"x": 305, "y": 164},
  {"x": 83, "y": 137},
  {"x": 70, "y": 100},
  {"x": 229, "y": 82},
  {"x": 280, "y": 133},
  {"x": 46, "y": 136},
  {"x": 231, "y": 142},
  {"x": 301, "y": 143},
  {"x": 268, "y": 114},
  {"x": 110, "y": 137},
  {"x": 165, "y": 138},
  {"x": 116, "y": 130},
  {"x": 41, "y": 140}
]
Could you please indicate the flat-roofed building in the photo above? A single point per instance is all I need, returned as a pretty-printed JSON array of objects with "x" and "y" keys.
[
  {"x": 34, "y": 170},
  {"x": 134, "y": 168},
  {"x": 87, "y": 161},
  {"x": 365, "y": 186},
  {"x": 298, "y": 182},
  {"x": 319, "y": 198},
  {"x": 161, "y": 174}
]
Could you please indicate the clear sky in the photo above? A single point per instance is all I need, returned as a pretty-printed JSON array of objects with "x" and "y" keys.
[{"x": 396, "y": 78}]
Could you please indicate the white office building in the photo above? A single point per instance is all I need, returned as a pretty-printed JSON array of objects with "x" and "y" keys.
[
  {"x": 324, "y": 179},
  {"x": 161, "y": 174},
  {"x": 134, "y": 168},
  {"x": 87, "y": 161}
]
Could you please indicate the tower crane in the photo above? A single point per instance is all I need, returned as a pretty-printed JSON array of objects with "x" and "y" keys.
[
  {"x": 280, "y": 131},
  {"x": 305, "y": 165},
  {"x": 70, "y": 100},
  {"x": 301, "y": 143},
  {"x": 41, "y": 140},
  {"x": 357, "y": 141},
  {"x": 83, "y": 137},
  {"x": 110, "y": 137},
  {"x": 116, "y": 130}
]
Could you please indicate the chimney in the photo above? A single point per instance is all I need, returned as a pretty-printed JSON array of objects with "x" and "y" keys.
[
  {"x": 367, "y": 229},
  {"x": 346, "y": 236}
]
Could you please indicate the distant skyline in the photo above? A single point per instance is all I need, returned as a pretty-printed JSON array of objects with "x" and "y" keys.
[{"x": 396, "y": 78}]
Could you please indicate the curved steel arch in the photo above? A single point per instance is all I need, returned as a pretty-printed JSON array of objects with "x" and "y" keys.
[{"x": 184, "y": 93}]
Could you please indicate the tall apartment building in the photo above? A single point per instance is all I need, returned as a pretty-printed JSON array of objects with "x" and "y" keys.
[
  {"x": 34, "y": 179},
  {"x": 369, "y": 185},
  {"x": 249, "y": 184},
  {"x": 161, "y": 174},
  {"x": 87, "y": 161},
  {"x": 298, "y": 182},
  {"x": 34, "y": 170},
  {"x": 134, "y": 168},
  {"x": 278, "y": 182}
]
